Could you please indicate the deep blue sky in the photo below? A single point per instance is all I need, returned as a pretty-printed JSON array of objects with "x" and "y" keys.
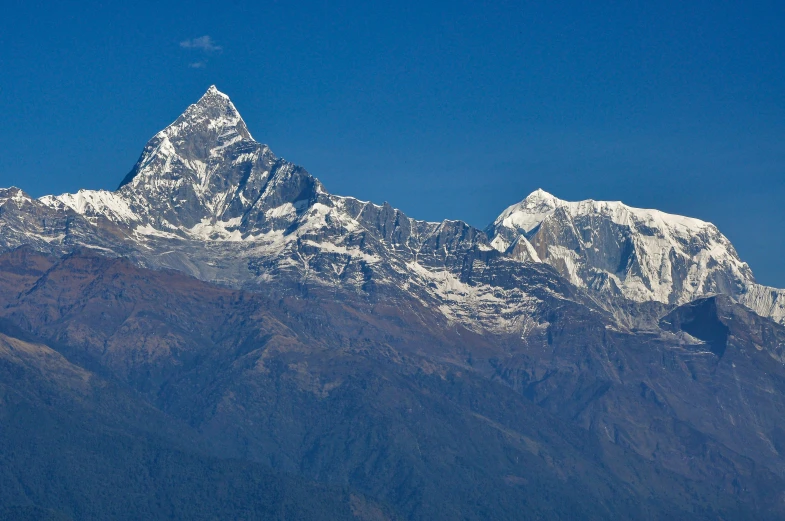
[{"x": 444, "y": 109}]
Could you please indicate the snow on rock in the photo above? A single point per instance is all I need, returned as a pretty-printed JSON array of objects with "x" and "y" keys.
[
  {"x": 765, "y": 301},
  {"x": 207, "y": 199},
  {"x": 641, "y": 254},
  {"x": 96, "y": 203}
]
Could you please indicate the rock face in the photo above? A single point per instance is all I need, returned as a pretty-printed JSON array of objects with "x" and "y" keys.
[
  {"x": 642, "y": 255},
  {"x": 575, "y": 360},
  {"x": 614, "y": 250},
  {"x": 765, "y": 301},
  {"x": 207, "y": 199}
]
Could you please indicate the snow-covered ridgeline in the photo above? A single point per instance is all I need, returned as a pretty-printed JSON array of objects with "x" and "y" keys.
[
  {"x": 765, "y": 301},
  {"x": 640, "y": 253},
  {"x": 206, "y": 198},
  {"x": 95, "y": 204},
  {"x": 527, "y": 215}
]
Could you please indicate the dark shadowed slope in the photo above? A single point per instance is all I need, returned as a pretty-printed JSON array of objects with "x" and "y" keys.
[
  {"x": 75, "y": 446},
  {"x": 411, "y": 413}
]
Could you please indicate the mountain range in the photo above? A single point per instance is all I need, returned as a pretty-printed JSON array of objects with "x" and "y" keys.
[{"x": 226, "y": 338}]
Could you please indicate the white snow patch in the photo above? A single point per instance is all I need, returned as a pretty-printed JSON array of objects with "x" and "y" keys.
[
  {"x": 95, "y": 203},
  {"x": 342, "y": 250}
]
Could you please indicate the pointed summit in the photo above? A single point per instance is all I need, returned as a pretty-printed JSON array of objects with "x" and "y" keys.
[
  {"x": 214, "y": 103},
  {"x": 541, "y": 195},
  {"x": 213, "y": 91},
  {"x": 202, "y": 133},
  {"x": 206, "y": 168},
  {"x": 214, "y": 109},
  {"x": 539, "y": 201},
  {"x": 526, "y": 215}
]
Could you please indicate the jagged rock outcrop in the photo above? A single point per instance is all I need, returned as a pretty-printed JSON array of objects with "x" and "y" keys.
[
  {"x": 207, "y": 199},
  {"x": 617, "y": 251}
]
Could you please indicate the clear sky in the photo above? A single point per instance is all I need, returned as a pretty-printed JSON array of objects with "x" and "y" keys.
[{"x": 445, "y": 109}]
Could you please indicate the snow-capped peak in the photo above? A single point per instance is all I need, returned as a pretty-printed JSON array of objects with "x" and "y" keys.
[
  {"x": 527, "y": 215},
  {"x": 203, "y": 178},
  {"x": 643, "y": 254},
  {"x": 15, "y": 194},
  {"x": 204, "y": 133},
  {"x": 213, "y": 91},
  {"x": 203, "y": 168},
  {"x": 215, "y": 110},
  {"x": 541, "y": 195}
]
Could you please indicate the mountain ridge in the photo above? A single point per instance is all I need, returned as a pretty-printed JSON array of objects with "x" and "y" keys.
[
  {"x": 648, "y": 246},
  {"x": 443, "y": 370},
  {"x": 203, "y": 181},
  {"x": 388, "y": 399}
]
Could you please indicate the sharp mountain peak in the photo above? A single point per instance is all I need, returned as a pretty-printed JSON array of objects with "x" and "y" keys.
[
  {"x": 216, "y": 110},
  {"x": 200, "y": 137},
  {"x": 205, "y": 178},
  {"x": 213, "y": 91}
]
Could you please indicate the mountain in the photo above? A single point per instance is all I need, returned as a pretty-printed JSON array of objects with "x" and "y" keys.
[
  {"x": 643, "y": 255},
  {"x": 619, "y": 251},
  {"x": 208, "y": 200},
  {"x": 222, "y": 315},
  {"x": 78, "y": 446},
  {"x": 153, "y": 373}
]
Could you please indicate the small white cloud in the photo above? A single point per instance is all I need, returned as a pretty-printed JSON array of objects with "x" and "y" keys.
[
  {"x": 203, "y": 43},
  {"x": 198, "y": 65}
]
